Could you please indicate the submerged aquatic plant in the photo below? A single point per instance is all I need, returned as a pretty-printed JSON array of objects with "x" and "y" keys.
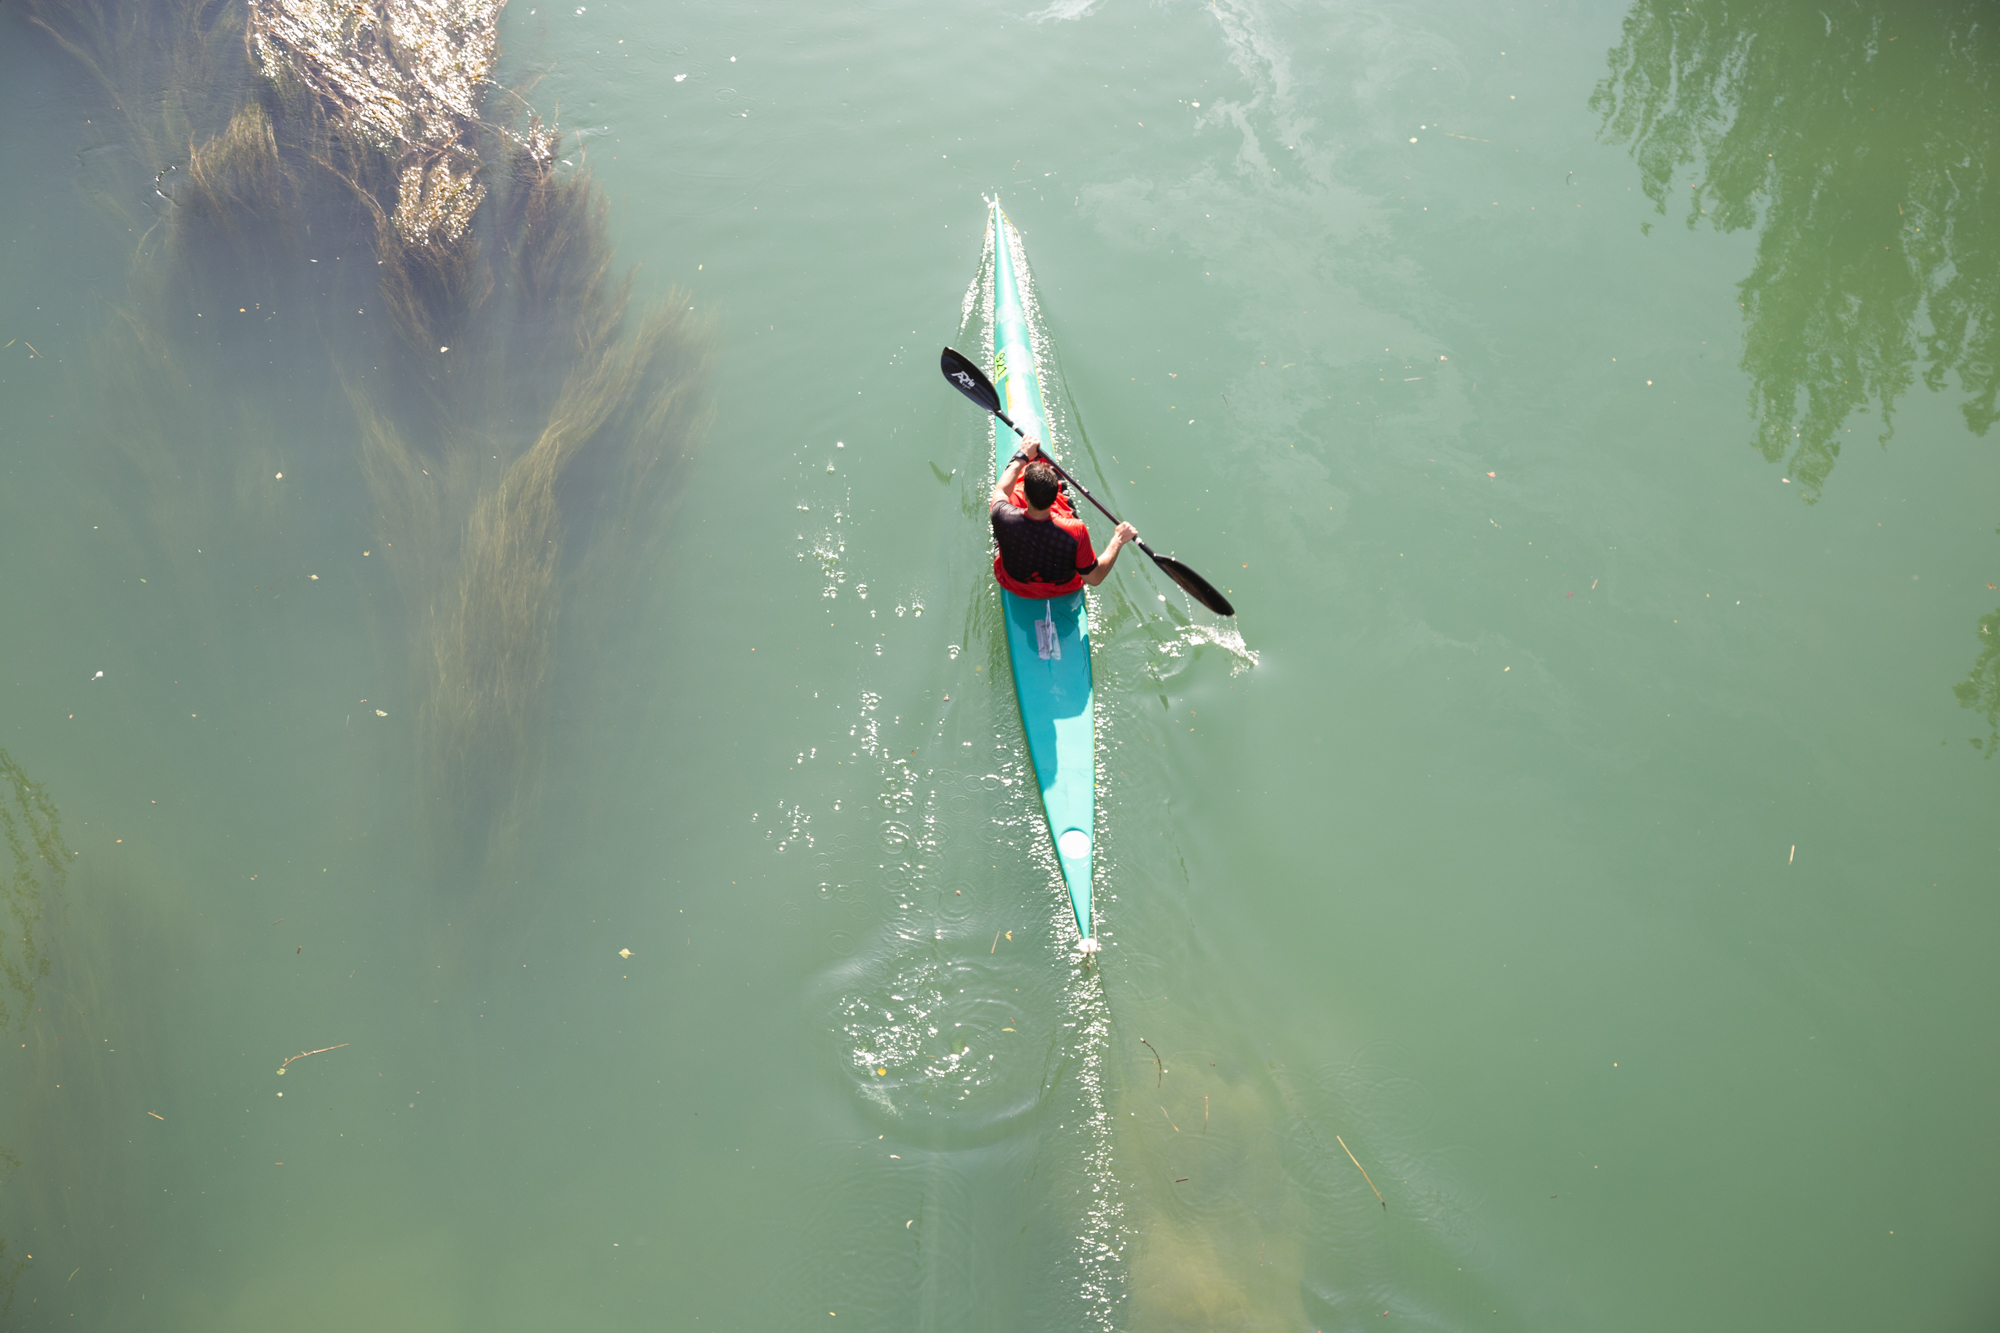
[
  {"x": 516, "y": 418},
  {"x": 407, "y": 73},
  {"x": 37, "y": 863},
  {"x": 404, "y": 75}
]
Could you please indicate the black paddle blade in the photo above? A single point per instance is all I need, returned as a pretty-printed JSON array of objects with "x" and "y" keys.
[
  {"x": 1194, "y": 585},
  {"x": 969, "y": 380}
]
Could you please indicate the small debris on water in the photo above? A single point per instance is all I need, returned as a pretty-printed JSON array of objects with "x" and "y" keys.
[
  {"x": 624, "y": 953},
  {"x": 380, "y": 713}
]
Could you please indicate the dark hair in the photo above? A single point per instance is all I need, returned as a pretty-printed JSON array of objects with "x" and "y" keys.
[{"x": 1039, "y": 482}]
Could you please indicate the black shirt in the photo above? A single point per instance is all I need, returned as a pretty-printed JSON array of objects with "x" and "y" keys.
[{"x": 1041, "y": 551}]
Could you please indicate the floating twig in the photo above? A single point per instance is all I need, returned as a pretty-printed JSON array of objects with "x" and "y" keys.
[
  {"x": 1156, "y": 1060},
  {"x": 996, "y": 943},
  {"x": 30, "y": 346},
  {"x": 1204, "y": 1113},
  {"x": 1362, "y": 1169},
  {"x": 303, "y": 1054},
  {"x": 1180, "y": 1180},
  {"x": 1170, "y": 1120},
  {"x": 156, "y": 1115}
]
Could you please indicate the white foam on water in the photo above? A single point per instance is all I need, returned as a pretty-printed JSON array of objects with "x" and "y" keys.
[
  {"x": 1222, "y": 635},
  {"x": 1063, "y": 11}
]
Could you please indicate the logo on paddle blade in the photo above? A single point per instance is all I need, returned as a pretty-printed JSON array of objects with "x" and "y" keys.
[{"x": 964, "y": 379}]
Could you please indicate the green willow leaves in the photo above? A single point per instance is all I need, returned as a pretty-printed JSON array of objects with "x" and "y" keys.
[
  {"x": 1980, "y": 691},
  {"x": 1863, "y": 138}
]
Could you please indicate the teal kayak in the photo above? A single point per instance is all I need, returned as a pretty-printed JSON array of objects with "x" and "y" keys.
[{"x": 1053, "y": 686}]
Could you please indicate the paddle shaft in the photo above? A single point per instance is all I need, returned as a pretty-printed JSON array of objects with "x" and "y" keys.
[
  {"x": 1073, "y": 481},
  {"x": 971, "y": 381}
]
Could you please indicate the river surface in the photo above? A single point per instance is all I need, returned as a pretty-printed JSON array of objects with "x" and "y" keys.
[{"x": 1586, "y": 828}]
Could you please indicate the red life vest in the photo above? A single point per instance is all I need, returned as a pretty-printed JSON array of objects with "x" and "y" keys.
[{"x": 1036, "y": 554}]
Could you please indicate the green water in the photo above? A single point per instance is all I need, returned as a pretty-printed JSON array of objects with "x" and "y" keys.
[{"x": 1585, "y": 830}]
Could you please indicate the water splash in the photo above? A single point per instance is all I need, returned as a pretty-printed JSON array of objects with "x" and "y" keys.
[{"x": 1197, "y": 633}]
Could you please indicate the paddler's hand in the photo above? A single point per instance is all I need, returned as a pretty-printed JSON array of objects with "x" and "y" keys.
[
  {"x": 1124, "y": 533},
  {"x": 1030, "y": 450}
]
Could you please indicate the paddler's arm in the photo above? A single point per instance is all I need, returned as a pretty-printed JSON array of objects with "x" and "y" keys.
[
  {"x": 1126, "y": 532},
  {"x": 1031, "y": 448}
]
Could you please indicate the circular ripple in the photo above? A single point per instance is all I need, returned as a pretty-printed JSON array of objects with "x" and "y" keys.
[{"x": 955, "y": 1042}]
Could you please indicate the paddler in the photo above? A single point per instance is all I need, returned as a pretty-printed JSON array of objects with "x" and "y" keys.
[{"x": 1044, "y": 549}]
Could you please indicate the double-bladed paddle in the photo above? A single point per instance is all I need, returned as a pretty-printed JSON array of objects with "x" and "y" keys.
[{"x": 971, "y": 381}]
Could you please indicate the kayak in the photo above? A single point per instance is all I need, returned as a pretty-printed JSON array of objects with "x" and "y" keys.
[{"x": 1048, "y": 639}]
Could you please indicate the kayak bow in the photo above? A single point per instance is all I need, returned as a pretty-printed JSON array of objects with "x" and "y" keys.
[{"x": 1048, "y": 639}]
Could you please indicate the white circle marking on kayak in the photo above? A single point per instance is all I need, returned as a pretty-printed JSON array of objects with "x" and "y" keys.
[{"x": 1075, "y": 844}]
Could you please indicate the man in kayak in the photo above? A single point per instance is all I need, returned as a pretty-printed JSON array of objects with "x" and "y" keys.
[{"x": 1044, "y": 547}]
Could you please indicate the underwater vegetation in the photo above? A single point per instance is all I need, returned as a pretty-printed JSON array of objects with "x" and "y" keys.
[
  {"x": 35, "y": 865},
  {"x": 516, "y": 414}
]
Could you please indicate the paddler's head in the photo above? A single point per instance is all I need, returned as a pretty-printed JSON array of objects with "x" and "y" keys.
[{"x": 1038, "y": 485}]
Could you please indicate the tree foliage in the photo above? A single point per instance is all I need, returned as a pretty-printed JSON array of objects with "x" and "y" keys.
[{"x": 1863, "y": 138}]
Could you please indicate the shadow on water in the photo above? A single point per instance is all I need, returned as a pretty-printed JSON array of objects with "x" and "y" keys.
[
  {"x": 1863, "y": 137},
  {"x": 339, "y": 235}
]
